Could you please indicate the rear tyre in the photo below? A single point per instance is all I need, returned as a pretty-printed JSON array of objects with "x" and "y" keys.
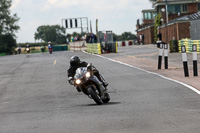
[{"x": 94, "y": 96}]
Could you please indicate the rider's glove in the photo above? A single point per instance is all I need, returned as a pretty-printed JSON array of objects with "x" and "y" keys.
[{"x": 71, "y": 80}]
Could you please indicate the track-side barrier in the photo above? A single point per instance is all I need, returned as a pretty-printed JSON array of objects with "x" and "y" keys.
[
  {"x": 185, "y": 64},
  {"x": 160, "y": 56},
  {"x": 195, "y": 64},
  {"x": 94, "y": 48},
  {"x": 188, "y": 45}
]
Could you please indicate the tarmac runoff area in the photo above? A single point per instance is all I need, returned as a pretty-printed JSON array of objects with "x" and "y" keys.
[{"x": 149, "y": 63}]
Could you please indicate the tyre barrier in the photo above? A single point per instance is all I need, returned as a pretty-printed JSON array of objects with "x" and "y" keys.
[
  {"x": 124, "y": 43},
  {"x": 188, "y": 45},
  {"x": 98, "y": 48},
  {"x": 94, "y": 48}
]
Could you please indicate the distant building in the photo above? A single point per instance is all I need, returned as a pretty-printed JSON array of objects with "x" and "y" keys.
[
  {"x": 147, "y": 26},
  {"x": 176, "y": 8},
  {"x": 176, "y": 18}
]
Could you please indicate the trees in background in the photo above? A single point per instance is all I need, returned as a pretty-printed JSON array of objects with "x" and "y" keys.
[
  {"x": 53, "y": 33},
  {"x": 157, "y": 23},
  {"x": 152, "y": 0},
  {"x": 124, "y": 36},
  {"x": 56, "y": 34},
  {"x": 8, "y": 27}
]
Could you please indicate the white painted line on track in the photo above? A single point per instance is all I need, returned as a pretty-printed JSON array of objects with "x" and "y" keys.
[
  {"x": 54, "y": 62},
  {"x": 179, "y": 82}
]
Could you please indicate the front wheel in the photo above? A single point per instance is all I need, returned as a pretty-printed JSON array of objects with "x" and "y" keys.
[
  {"x": 94, "y": 96},
  {"x": 107, "y": 98}
]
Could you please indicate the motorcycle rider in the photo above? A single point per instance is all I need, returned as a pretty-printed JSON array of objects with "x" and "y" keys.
[
  {"x": 50, "y": 45},
  {"x": 19, "y": 49},
  {"x": 28, "y": 48},
  {"x": 76, "y": 63},
  {"x": 42, "y": 48}
]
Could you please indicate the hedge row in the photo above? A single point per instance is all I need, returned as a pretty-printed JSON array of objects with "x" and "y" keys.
[{"x": 35, "y": 44}]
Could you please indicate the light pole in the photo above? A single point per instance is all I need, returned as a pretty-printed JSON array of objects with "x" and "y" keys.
[
  {"x": 163, "y": 10},
  {"x": 166, "y": 16},
  {"x": 166, "y": 7}
]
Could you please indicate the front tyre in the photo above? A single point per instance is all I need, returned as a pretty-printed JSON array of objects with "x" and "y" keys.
[
  {"x": 107, "y": 98},
  {"x": 94, "y": 96}
]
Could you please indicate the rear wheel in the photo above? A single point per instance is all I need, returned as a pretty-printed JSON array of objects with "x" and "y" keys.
[{"x": 94, "y": 95}]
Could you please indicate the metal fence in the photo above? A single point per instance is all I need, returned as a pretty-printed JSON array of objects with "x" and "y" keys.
[
  {"x": 106, "y": 37},
  {"x": 195, "y": 29}
]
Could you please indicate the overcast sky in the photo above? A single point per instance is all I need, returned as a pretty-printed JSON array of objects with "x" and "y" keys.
[{"x": 116, "y": 15}]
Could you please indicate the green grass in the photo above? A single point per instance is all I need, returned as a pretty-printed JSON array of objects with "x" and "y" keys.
[
  {"x": 36, "y": 51},
  {"x": 2, "y": 54}
]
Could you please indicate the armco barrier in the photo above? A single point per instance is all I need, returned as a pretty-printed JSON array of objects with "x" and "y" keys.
[
  {"x": 94, "y": 48},
  {"x": 60, "y": 48}
]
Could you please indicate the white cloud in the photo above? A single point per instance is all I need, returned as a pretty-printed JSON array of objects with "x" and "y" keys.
[{"x": 15, "y": 3}]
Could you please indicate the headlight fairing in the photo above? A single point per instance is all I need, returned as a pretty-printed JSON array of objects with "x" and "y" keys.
[
  {"x": 78, "y": 81},
  {"x": 87, "y": 74}
]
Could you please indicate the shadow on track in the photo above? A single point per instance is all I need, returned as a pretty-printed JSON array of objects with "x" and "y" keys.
[{"x": 109, "y": 103}]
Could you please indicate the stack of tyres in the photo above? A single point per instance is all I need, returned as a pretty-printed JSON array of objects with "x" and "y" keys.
[
  {"x": 123, "y": 44},
  {"x": 130, "y": 43},
  {"x": 197, "y": 42},
  {"x": 187, "y": 43}
]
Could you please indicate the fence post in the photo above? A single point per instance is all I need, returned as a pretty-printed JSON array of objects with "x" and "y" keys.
[
  {"x": 184, "y": 58},
  {"x": 166, "y": 55},
  {"x": 160, "y": 56},
  {"x": 194, "y": 53}
]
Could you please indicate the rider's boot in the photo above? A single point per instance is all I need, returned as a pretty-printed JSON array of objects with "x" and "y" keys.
[{"x": 105, "y": 84}]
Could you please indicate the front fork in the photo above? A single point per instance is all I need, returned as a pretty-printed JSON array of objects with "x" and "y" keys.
[{"x": 100, "y": 84}]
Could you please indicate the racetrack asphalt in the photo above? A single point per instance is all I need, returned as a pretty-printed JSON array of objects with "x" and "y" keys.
[{"x": 146, "y": 57}]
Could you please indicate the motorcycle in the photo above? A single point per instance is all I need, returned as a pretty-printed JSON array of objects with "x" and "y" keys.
[
  {"x": 89, "y": 84},
  {"x": 50, "y": 50},
  {"x": 28, "y": 50}
]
